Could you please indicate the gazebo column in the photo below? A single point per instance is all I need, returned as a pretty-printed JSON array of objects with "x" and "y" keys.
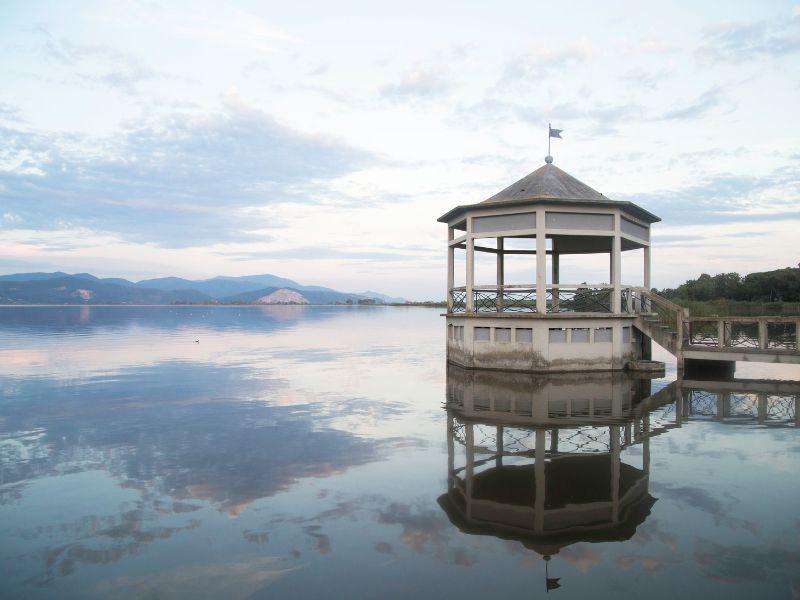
[
  {"x": 500, "y": 273},
  {"x": 498, "y": 459},
  {"x": 646, "y": 443},
  {"x": 613, "y": 434},
  {"x": 616, "y": 267},
  {"x": 451, "y": 451},
  {"x": 554, "y": 263},
  {"x": 541, "y": 263},
  {"x": 539, "y": 474},
  {"x": 646, "y": 283},
  {"x": 451, "y": 257},
  {"x": 470, "y": 303},
  {"x": 469, "y": 435}
]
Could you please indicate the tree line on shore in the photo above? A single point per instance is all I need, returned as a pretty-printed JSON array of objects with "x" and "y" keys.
[
  {"x": 764, "y": 293},
  {"x": 780, "y": 285}
]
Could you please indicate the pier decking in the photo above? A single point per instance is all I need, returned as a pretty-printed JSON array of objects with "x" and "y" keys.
[{"x": 765, "y": 339}]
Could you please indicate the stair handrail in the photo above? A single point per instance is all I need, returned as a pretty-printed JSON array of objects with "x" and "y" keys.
[{"x": 681, "y": 314}]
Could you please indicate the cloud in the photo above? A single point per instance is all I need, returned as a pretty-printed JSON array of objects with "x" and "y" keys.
[
  {"x": 242, "y": 579},
  {"x": 124, "y": 80},
  {"x": 727, "y": 197},
  {"x": 645, "y": 562},
  {"x": 738, "y": 42},
  {"x": 581, "y": 556},
  {"x": 9, "y": 111},
  {"x": 323, "y": 542},
  {"x": 67, "y": 52},
  {"x": 737, "y": 564},
  {"x": 420, "y": 528},
  {"x": 328, "y": 253},
  {"x": 384, "y": 548},
  {"x": 189, "y": 178},
  {"x": 257, "y": 67},
  {"x": 318, "y": 69},
  {"x": 645, "y": 46},
  {"x": 648, "y": 78},
  {"x": 699, "y": 107},
  {"x": 422, "y": 83},
  {"x": 602, "y": 117},
  {"x": 216, "y": 24},
  {"x": 100, "y": 65},
  {"x": 532, "y": 67}
]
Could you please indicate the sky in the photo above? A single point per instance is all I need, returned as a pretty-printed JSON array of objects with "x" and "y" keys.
[{"x": 320, "y": 141}]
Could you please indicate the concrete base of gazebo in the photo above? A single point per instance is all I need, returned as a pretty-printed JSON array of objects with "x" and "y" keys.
[{"x": 536, "y": 344}]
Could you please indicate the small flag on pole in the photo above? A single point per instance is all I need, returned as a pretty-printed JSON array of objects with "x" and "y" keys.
[
  {"x": 553, "y": 133},
  {"x": 552, "y": 583}
]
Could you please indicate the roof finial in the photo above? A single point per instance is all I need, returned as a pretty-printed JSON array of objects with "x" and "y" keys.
[{"x": 548, "y": 159}]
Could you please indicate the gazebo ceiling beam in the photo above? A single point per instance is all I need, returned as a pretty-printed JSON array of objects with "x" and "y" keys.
[
  {"x": 495, "y": 251},
  {"x": 533, "y": 252}
]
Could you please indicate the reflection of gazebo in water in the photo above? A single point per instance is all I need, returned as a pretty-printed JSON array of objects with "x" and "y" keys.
[{"x": 542, "y": 456}]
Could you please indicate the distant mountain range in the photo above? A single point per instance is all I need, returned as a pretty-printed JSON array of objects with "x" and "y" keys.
[{"x": 85, "y": 288}]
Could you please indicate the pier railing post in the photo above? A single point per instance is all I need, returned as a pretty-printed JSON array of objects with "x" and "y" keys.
[
  {"x": 687, "y": 327},
  {"x": 797, "y": 335},
  {"x": 762, "y": 334}
]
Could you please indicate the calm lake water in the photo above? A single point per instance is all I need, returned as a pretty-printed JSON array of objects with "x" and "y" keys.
[{"x": 307, "y": 452}]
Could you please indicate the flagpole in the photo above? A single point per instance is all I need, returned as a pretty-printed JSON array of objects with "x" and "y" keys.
[
  {"x": 548, "y": 138},
  {"x": 546, "y": 560}
]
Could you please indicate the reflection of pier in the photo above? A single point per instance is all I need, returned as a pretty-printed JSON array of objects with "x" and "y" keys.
[
  {"x": 715, "y": 341},
  {"x": 542, "y": 459},
  {"x": 773, "y": 403}
]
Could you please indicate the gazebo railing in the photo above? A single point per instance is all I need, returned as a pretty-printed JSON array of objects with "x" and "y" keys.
[
  {"x": 559, "y": 298},
  {"x": 581, "y": 298},
  {"x": 458, "y": 300},
  {"x": 509, "y": 298}
]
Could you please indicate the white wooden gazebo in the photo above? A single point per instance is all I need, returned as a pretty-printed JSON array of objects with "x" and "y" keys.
[{"x": 547, "y": 325}]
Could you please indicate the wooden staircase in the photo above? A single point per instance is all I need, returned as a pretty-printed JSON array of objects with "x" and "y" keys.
[
  {"x": 663, "y": 321},
  {"x": 671, "y": 326},
  {"x": 659, "y": 331}
]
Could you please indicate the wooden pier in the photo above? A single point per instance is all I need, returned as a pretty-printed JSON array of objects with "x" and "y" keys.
[{"x": 764, "y": 339}]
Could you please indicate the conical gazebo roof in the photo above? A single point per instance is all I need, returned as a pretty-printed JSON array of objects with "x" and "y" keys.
[
  {"x": 548, "y": 182},
  {"x": 550, "y": 185}
]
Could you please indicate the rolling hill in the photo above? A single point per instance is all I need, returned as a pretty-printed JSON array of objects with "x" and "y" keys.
[
  {"x": 80, "y": 290},
  {"x": 85, "y": 288},
  {"x": 310, "y": 296}
]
